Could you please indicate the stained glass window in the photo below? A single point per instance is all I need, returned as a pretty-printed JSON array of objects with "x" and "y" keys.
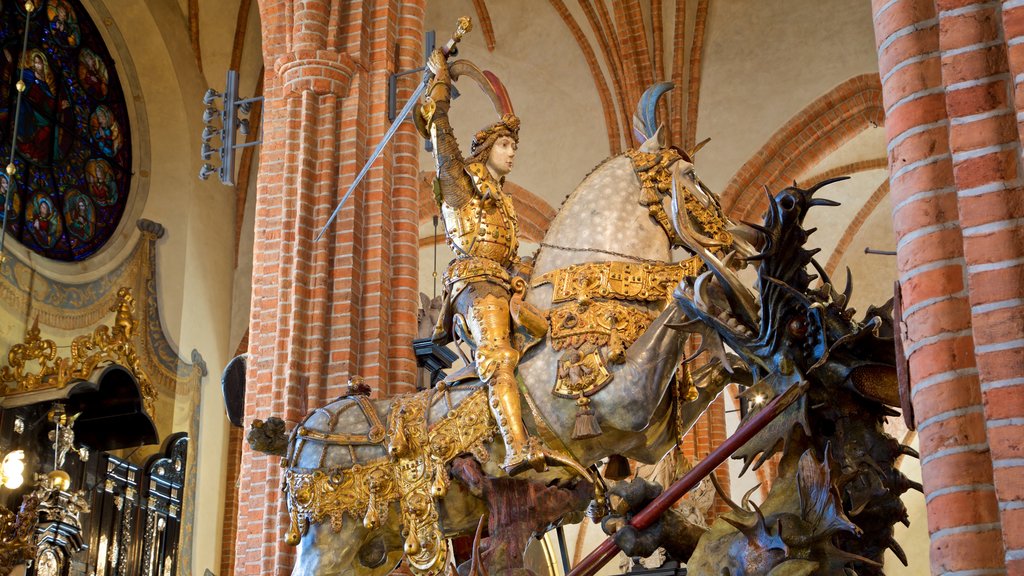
[{"x": 72, "y": 146}]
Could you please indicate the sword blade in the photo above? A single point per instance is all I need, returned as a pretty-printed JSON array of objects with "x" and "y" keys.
[{"x": 402, "y": 115}]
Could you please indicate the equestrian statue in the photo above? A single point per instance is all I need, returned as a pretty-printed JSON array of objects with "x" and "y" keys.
[{"x": 575, "y": 356}]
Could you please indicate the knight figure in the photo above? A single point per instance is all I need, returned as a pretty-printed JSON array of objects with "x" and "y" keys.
[{"x": 481, "y": 228}]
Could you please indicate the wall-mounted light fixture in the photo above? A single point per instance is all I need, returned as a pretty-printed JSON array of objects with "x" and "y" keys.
[{"x": 12, "y": 470}]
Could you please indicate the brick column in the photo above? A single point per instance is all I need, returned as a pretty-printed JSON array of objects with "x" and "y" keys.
[
  {"x": 963, "y": 516},
  {"x": 347, "y": 305},
  {"x": 986, "y": 165}
]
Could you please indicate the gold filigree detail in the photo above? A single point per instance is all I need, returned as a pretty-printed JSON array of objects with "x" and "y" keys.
[
  {"x": 575, "y": 324},
  {"x": 638, "y": 282},
  {"x": 113, "y": 344},
  {"x": 581, "y": 374},
  {"x": 414, "y": 474},
  {"x": 655, "y": 175}
]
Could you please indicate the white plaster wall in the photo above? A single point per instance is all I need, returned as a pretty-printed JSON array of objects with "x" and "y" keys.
[{"x": 764, "y": 61}]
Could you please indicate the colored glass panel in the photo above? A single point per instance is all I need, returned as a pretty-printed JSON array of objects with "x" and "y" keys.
[{"x": 72, "y": 144}]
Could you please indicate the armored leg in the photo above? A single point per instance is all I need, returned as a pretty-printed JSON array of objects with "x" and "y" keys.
[{"x": 487, "y": 317}]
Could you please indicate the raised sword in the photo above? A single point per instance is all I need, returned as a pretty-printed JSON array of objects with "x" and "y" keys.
[{"x": 464, "y": 25}]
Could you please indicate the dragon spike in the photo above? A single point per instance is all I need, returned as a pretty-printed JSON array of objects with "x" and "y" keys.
[
  {"x": 908, "y": 451},
  {"x": 477, "y": 567},
  {"x": 725, "y": 498},
  {"x": 823, "y": 202},
  {"x": 821, "y": 271},
  {"x": 790, "y": 290},
  {"x": 848, "y": 291},
  {"x": 773, "y": 206},
  {"x": 728, "y": 258},
  {"x": 757, "y": 227},
  {"x": 823, "y": 183},
  {"x": 898, "y": 551},
  {"x": 810, "y": 231},
  {"x": 687, "y": 326},
  {"x": 746, "y": 497},
  {"x": 738, "y": 524}
]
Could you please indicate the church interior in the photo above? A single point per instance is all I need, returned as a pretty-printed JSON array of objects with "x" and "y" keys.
[{"x": 208, "y": 267}]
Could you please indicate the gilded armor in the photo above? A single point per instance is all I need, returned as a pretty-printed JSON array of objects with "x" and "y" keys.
[
  {"x": 481, "y": 228},
  {"x": 486, "y": 226}
]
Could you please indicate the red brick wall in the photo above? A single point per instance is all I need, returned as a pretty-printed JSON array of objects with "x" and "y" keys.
[
  {"x": 802, "y": 143},
  {"x": 347, "y": 305},
  {"x": 954, "y": 156}
]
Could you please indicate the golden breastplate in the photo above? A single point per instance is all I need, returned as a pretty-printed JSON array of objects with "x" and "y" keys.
[{"x": 484, "y": 228}]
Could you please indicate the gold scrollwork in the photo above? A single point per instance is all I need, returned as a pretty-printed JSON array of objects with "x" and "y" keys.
[
  {"x": 113, "y": 344},
  {"x": 575, "y": 324},
  {"x": 414, "y": 474},
  {"x": 656, "y": 181},
  {"x": 638, "y": 282}
]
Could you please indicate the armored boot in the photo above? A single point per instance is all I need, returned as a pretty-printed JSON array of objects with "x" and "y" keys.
[
  {"x": 488, "y": 320},
  {"x": 522, "y": 451}
]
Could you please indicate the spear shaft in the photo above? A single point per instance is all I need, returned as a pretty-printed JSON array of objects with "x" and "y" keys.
[{"x": 650, "y": 514}]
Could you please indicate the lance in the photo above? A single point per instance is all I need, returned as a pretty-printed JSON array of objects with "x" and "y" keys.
[
  {"x": 464, "y": 25},
  {"x": 650, "y": 514}
]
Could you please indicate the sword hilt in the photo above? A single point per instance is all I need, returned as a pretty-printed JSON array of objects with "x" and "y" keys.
[{"x": 464, "y": 25}]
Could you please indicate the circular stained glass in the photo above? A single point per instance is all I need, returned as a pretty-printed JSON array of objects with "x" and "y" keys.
[{"x": 72, "y": 146}]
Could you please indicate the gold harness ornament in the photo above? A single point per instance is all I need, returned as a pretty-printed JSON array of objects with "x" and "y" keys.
[
  {"x": 602, "y": 313},
  {"x": 641, "y": 282},
  {"x": 655, "y": 175},
  {"x": 414, "y": 474}
]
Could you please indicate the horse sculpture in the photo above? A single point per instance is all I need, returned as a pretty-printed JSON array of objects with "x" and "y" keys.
[{"x": 368, "y": 481}]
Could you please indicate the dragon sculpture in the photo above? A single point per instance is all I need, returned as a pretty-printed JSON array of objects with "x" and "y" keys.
[{"x": 837, "y": 495}]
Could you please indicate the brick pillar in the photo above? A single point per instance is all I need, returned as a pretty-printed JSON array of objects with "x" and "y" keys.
[
  {"x": 963, "y": 515},
  {"x": 347, "y": 305},
  {"x": 986, "y": 165}
]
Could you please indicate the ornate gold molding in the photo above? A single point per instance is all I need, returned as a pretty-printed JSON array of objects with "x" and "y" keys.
[
  {"x": 636, "y": 282},
  {"x": 414, "y": 474},
  {"x": 107, "y": 344},
  {"x": 78, "y": 307}
]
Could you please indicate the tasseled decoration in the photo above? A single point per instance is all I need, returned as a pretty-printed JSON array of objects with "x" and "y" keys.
[
  {"x": 372, "y": 519},
  {"x": 439, "y": 488},
  {"x": 586, "y": 420}
]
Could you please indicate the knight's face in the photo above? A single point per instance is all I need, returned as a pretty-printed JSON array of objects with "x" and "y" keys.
[{"x": 501, "y": 156}]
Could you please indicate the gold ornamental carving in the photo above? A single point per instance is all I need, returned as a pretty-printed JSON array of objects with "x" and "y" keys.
[
  {"x": 414, "y": 474},
  {"x": 113, "y": 344},
  {"x": 655, "y": 175},
  {"x": 635, "y": 281},
  {"x": 573, "y": 325}
]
